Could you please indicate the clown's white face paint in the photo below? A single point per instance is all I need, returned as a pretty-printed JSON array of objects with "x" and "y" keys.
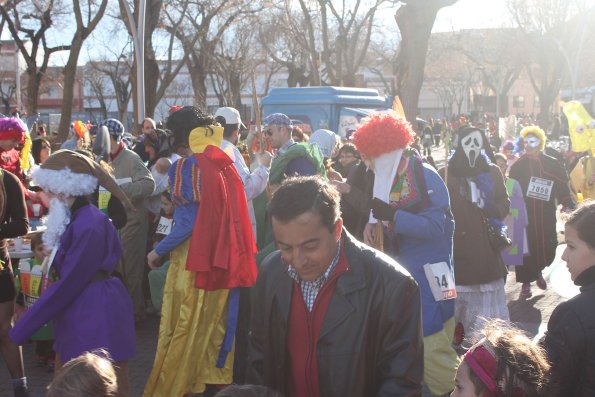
[
  {"x": 472, "y": 145},
  {"x": 532, "y": 141}
]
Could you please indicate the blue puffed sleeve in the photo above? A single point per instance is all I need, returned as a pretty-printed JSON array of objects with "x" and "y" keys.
[{"x": 184, "y": 186}]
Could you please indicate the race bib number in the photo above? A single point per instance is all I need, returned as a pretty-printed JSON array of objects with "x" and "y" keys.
[
  {"x": 441, "y": 281},
  {"x": 164, "y": 226},
  {"x": 540, "y": 189}
]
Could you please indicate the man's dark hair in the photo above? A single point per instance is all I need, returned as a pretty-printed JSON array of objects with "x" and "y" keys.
[
  {"x": 182, "y": 121},
  {"x": 228, "y": 129},
  {"x": 302, "y": 194}
]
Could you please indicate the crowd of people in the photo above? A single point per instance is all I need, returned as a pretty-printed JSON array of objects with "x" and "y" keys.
[{"x": 308, "y": 265}]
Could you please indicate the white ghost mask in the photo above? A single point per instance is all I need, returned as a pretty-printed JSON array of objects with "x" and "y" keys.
[
  {"x": 472, "y": 145},
  {"x": 532, "y": 141}
]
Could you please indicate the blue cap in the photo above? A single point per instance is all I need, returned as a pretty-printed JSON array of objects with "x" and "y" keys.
[
  {"x": 277, "y": 119},
  {"x": 114, "y": 127}
]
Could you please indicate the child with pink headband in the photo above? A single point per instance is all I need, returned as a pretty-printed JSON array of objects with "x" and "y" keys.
[{"x": 505, "y": 363}]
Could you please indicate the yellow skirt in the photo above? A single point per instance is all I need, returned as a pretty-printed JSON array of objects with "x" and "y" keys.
[{"x": 190, "y": 335}]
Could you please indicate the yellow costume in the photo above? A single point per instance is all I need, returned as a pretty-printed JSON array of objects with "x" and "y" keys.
[
  {"x": 193, "y": 321},
  {"x": 581, "y": 128},
  {"x": 190, "y": 335},
  {"x": 581, "y": 176}
]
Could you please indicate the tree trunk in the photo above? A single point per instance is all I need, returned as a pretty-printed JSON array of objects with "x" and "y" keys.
[
  {"x": 103, "y": 108},
  {"x": 151, "y": 79},
  {"x": 6, "y": 102},
  {"x": 198, "y": 66},
  {"x": 415, "y": 21},
  {"x": 68, "y": 87},
  {"x": 198, "y": 77},
  {"x": 235, "y": 87},
  {"x": 81, "y": 34},
  {"x": 33, "y": 81},
  {"x": 503, "y": 104}
]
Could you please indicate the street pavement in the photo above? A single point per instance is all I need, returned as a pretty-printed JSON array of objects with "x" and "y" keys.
[{"x": 530, "y": 315}]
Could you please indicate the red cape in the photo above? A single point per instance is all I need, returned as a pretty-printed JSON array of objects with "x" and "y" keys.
[{"x": 222, "y": 247}]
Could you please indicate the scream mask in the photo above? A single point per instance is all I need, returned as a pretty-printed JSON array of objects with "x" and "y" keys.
[{"x": 472, "y": 145}]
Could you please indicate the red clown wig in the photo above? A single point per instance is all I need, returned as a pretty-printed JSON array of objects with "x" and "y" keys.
[{"x": 382, "y": 133}]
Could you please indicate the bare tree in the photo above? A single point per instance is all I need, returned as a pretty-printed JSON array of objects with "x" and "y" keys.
[
  {"x": 30, "y": 21},
  {"x": 93, "y": 11},
  {"x": 7, "y": 91},
  {"x": 484, "y": 57},
  {"x": 550, "y": 29},
  {"x": 152, "y": 72},
  {"x": 99, "y": 87},
  {"x": 382, "y": 58},
  {"x": 237, "y": 56},
  {"x": 284, "y": 50},
  {"x": 204, "y": 24},
  {"x": 7, "y": 83},
  {"x": 114, "y": 62},
  {"x": 321, "y": 42},
  {"x": 118, "y": 73},
  {"x": 346, "y": 34},
  {"x": 499, "y": 62},
  {"x": 448, "y": 73},
  {"x": 179, "y": 92},
  {"x": 415, "y": 19},
  {"x": 172, "y": 23}
]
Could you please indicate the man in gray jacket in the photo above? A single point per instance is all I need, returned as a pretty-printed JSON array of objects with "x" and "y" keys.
[{"x": 136, "y": 181}]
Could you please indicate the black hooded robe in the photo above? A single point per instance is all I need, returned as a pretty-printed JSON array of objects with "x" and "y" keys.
[{"x": 541, "y": 231}]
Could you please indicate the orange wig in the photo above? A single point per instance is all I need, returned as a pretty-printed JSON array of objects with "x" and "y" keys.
[{"x": 382, "y": 133}]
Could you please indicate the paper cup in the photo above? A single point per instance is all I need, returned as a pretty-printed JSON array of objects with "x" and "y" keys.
[
  {"x": 36, "y": 210},
  {"x": 18, "y": 244}
]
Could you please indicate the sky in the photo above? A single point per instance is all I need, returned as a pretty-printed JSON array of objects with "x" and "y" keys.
[
  {"x": 464, "y": 14},
  {"x": 468, "y": 14}
]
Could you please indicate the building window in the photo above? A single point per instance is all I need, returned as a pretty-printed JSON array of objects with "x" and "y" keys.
[
  {"x": 536, "y": 101},
  {"x": 518, "y": 101}
]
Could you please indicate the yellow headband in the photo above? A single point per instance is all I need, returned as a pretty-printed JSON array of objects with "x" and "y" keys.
[{"x": 201, "y": 137}]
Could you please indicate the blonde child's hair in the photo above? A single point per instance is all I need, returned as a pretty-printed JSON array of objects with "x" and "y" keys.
[{"x": 89, "y": 375}]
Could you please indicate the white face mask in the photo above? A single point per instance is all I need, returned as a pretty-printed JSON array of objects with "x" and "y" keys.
[
  {"x": 472, "y": 145},
  {"x": 532, "y": 141}
]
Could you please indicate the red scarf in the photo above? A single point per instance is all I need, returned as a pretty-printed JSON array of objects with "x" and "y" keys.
[{"x": 120, "y": 148}]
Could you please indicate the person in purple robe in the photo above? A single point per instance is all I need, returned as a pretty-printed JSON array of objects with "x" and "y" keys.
[
  {"x": 90, "y": 309},
  {"x": 516, "y": 221}
]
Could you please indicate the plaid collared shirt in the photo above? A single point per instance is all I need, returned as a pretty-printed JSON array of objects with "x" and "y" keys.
[{"x": 310, "y": 289}]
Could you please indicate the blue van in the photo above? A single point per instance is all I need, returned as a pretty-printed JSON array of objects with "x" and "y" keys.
[{"x": 335, "y": 108}]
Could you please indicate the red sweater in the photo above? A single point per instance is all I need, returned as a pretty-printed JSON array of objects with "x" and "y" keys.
[
  {"x": 302, "y": 337},
  {"x": 10, "y": 160}
]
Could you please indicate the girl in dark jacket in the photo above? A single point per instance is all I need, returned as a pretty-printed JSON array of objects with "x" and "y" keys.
[{"x": 570, "y": 337}]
